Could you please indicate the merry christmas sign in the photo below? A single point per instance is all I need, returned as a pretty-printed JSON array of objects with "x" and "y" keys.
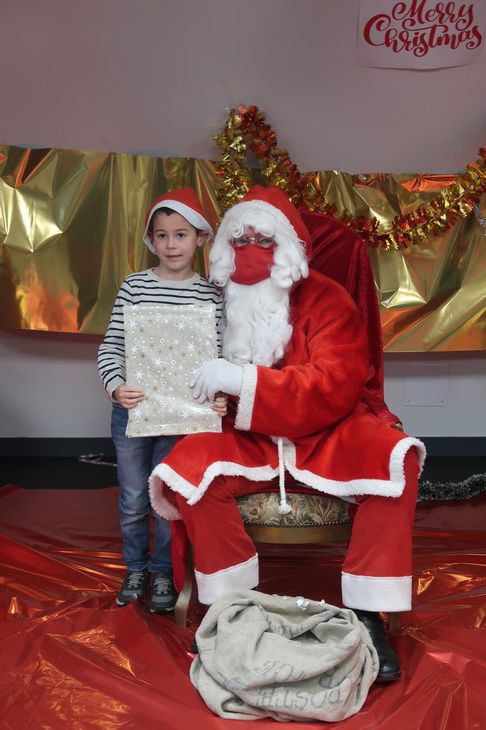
[
  {"x": 420, "y": 34},
  {"x": 165, "y": 344}
]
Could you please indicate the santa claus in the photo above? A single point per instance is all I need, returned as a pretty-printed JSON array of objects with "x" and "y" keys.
[{"x": 295, "y": 360}]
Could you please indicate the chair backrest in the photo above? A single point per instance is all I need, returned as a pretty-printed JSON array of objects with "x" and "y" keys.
[{"x": 338, "y": 252}]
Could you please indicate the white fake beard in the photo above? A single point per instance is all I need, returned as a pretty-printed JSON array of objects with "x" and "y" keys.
[{"x": 257, "y": 323}]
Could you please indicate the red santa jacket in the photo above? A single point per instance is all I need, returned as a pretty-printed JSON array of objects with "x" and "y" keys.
[
  {"x": 338, "y": 252},
  {"x": 314, "y": 399}
]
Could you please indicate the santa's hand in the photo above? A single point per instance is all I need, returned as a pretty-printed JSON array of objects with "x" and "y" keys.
[{"x": 216, "y": 375}]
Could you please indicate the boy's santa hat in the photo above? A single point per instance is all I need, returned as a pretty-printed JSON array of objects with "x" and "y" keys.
[
  {"x": 183, "y": 201},
  {"x": 269, "y": 211}
]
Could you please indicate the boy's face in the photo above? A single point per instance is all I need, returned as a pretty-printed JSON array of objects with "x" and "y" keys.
[{"x": 175, "y": 241}]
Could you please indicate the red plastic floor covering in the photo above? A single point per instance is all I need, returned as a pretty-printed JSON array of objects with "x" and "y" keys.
[{"x": 70, "y": 659}]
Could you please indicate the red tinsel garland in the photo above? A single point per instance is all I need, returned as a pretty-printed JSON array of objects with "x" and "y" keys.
[{"x": 246, "y": 128}]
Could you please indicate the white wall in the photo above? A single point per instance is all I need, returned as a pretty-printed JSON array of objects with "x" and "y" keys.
[
  {"x": 157, "y": 77},
  {"x": 50, "y": 388},
  {"x": 438, "y": 394}
]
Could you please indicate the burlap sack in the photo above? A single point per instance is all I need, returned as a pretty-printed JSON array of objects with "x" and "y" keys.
[{"x": 282, "y": 657}]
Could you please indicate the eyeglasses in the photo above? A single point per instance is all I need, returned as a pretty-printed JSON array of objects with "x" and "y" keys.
[{"x": 258, "y": 240}]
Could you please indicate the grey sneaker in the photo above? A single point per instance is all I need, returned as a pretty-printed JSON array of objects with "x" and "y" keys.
[
  {"x": 164, "y": 594},
  {"x": 133, "y": 587}
]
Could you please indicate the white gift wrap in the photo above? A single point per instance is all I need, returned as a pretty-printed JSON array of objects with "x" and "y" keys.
[{"x": 164, "y": 345}]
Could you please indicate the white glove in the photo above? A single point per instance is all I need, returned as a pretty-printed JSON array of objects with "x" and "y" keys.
[{"x": 214, "y": 376}]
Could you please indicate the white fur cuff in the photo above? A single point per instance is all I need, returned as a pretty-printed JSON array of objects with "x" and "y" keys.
[
  {"x": 376, "y": 593},
  {"x": 159, "y": 501},
  {"x": 211, "y": 586},
  {"x": 247, "y": 398}
]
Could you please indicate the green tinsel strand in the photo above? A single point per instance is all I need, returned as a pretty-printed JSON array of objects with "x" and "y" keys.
[{"x": 470, "y": 487}]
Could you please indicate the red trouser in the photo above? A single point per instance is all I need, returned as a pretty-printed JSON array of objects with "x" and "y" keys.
[{"x": 378, "y": 565}]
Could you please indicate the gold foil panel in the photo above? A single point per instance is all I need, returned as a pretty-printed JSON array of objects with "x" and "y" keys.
[
  {"x": 71, "y": 224},
  {"x": 432, "y": 296}
]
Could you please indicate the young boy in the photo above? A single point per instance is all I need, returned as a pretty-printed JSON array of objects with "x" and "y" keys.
[{"x": 175, "y": 227}]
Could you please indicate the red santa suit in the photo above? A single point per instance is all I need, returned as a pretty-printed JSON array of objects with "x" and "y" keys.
[{"x": 305, "y": 415}]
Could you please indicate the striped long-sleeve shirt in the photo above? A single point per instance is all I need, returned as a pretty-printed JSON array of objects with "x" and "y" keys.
[{"x": 145, "y": 287}]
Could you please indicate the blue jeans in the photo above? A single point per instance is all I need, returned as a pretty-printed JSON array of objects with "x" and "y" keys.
[{"x": 136, "y": 457}]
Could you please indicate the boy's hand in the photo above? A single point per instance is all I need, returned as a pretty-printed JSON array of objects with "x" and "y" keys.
[
  {"x": 216, "y": 375},
  {"x": 127, "y": 396},
  {"x": 220, "y": 405}
]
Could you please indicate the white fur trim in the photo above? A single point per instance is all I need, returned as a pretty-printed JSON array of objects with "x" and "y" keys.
[
  {"x": 246, "y": 401},
  {"x": 211, "y": 586},
  {"x": 191, "y": 215},
  {"x": 159, "y": 502},
  {"x": 240, "y": 213},
  {"x": 392, "y": 487},
  {"x": 164, "y": 474},
  {"x": 375, "y": 593}
]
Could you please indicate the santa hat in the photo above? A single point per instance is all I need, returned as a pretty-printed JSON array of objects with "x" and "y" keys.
[
  {"x": 273, "y": 201},
  {"x": 183, "y": 201},
  {"x": 267, "y": 210}
]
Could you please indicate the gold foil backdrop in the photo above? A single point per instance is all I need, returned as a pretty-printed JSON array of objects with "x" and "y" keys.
[
  {"x": 246, "y": 130},
  {"x": 71, "y": 224}
]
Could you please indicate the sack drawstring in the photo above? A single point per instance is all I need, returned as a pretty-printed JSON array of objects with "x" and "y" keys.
[{"x": 284, "y": 507}]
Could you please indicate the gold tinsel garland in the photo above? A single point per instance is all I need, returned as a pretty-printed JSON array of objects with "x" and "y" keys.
[{"x": 246, "y": 129}]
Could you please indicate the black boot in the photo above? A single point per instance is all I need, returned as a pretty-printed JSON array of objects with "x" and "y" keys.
[{"x": 389, "y": 663}]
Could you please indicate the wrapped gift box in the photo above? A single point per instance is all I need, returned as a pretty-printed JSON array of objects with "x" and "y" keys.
[{"x": 164, "y": 345}]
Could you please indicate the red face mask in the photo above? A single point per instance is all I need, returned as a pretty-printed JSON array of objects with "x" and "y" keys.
[{"x": 252, "y": 264}]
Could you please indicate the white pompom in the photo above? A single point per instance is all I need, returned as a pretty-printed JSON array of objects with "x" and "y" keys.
[{"x": 284, "y": 509}]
